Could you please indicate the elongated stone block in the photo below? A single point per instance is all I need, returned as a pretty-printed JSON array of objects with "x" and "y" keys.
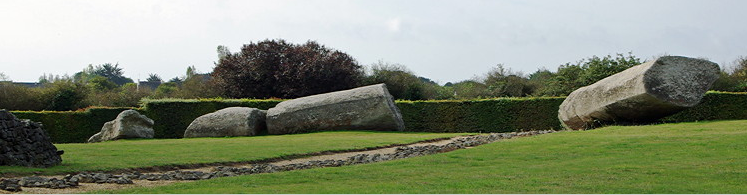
[
  {"x": 640, "y": 94},
  {"x": 364, "y": 108},
  {"x": 232, "y": 121}
]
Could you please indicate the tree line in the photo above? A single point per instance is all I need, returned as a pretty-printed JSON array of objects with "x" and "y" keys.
[{"x": 279, "y": 69}]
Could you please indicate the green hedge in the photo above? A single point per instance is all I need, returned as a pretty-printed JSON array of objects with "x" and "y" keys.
[
  {"x": 714, "y": 106},
  {"x": 172, "y": 116},
  {"x": 71, "y": 126},
  {"x": 491, "y": 115}
]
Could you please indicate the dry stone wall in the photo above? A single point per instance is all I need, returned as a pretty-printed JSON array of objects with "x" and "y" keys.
[{"x": 24, "y": 143}]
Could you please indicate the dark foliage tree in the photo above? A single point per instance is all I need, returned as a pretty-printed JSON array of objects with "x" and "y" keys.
[
  {"x": 112, "y": 72},
  {"x": 154, "y": 78},
  {"x": 276, "y": 68}
]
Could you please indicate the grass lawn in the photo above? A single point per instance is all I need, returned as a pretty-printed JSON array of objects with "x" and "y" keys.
[
  {"x": 147, "y": 153},
  {"x": 701, "y": 157}
]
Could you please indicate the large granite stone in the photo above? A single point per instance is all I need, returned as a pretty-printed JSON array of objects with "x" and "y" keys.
[
  {"x": 364, "y": 108},
  {"x": 233, "y": 121},
  {"x": 128, "y": 124},
  {"x": 24, "y": 143},
  {"x": 640, "y": 94}
]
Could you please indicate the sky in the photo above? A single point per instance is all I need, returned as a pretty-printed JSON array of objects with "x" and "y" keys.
[{"x": 444, "y": 40}]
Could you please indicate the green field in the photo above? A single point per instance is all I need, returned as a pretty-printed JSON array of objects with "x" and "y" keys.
[
  {"x": 701, "y": 157},
  {"x": 148, "y": 153}
]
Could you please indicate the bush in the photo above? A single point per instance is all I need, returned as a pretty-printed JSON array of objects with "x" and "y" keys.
[
  {"x": 275, "y": 68},
  {"x": 470, "y": 89},
  {"x": 570, "y": 77},
  {"x": 66, "y": 95},
  {"x": 16, "y": 97},
  {"x": 400, "y": 81},
  {"x": 197, "y": 86},
  {"x": 126, "y": 96},
  {"x": 502, "y": 82}
]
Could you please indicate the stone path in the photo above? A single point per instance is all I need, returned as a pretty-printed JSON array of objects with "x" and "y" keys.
[{"x": 86, "y": 182}]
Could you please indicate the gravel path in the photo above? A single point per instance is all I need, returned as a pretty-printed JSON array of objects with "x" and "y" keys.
[{"x": 86, "y": 182}]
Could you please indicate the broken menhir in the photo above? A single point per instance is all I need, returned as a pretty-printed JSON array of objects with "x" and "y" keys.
[{"x": 640, "y": 94}]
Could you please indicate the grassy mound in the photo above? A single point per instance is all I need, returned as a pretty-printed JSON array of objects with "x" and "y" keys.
[
  {"x": 148, "y": 153},
  {"x": 700, "y": 157}
]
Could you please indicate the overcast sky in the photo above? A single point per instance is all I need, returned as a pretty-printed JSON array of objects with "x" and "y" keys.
[{"x": 442, "y": 40}]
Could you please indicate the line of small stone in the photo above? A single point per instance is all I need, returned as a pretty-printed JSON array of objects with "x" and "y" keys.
[{"x": 69, "y": 181}]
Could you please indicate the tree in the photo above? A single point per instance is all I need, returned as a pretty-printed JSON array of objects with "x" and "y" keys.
[
  {"x": 66, "y": 95},
  {"x": 176, "y": 80},
  {"x": 4, "y": 77},
  {"x": 113, "y": 73},
  {"x": 276, "y": 68},
  {"x": 470, "y": 89},
  {"x": 502, "y": 82},
  {"x": 222, "y": 51},
  {"x": 400, "y": 81},
  {"x": 166, "y": 90},
  {"x": 100, "y": 84},
  {"x": 154, "y": 78},
  {"x": 570, "y": 77},
  {"x": 107, "y": 70},
  {"x": 196, "y": 85}
]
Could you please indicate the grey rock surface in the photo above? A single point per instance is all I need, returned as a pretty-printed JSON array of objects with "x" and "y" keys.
[
  {"x": 24, "y": 143},
  {"x": 364, "y": 108},
  {"x": 128, "y": 124},
  {"x": 640, "y": 94},
  {"x": 233, "y": 121}
]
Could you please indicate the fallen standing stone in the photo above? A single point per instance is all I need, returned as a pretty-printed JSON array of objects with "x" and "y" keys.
[
  {"x": 233, "y": 121},
  {"x": 364, "y": 108},
  {"x": 642, "y": 93},
  {"x": 128, "y": 124}
]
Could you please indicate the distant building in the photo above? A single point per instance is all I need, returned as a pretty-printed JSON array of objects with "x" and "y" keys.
[
  {"x": 152, "y": 85},
  {"x": 28, "y": 84}
]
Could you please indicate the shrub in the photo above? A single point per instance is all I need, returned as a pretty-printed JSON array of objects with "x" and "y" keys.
[
  {"x": 275, "y": 68},
  {"x": 15, "y": 97},
  {"x": 570, "y": 77},
  {"x": 400, "y": 81},
  {"x": 470, "y": 89},
  {"x": 126, "y": 96},
  {"x": 502, "y": 82},
  {"x": 99, "y": 83},
  {"x": 66, "y": 95}
]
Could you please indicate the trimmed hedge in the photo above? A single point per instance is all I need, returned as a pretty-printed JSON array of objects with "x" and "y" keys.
[
  {"x": 490, "y": 115},
  {"x": 714, "y": 106},
  {"x": 172, "y": 116},
  {"x": 71, "y": 126}
]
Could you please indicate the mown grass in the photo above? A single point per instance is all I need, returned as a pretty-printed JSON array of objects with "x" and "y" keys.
[
  {"x": 700, "y": 157},
  {"x": 122, "y": 154}
]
